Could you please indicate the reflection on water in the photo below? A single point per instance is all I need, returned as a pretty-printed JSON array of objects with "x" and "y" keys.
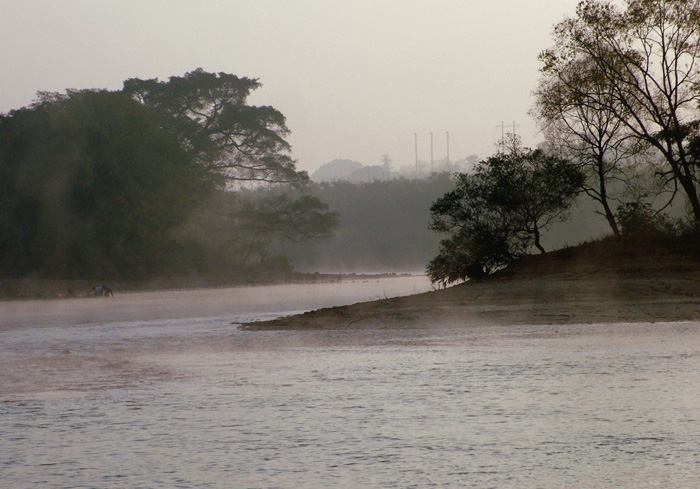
[{"x": 193, "y": 402}]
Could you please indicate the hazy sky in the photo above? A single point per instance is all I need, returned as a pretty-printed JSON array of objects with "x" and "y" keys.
[{"x": 355, "y": 78}]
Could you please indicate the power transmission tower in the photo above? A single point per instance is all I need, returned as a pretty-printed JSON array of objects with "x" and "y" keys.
[{"x": 514, "y": 126}]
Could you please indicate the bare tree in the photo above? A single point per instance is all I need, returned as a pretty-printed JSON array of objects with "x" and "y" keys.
[
  {"x": 572, "y": 109},
  {"x": 647, "y": 57}
]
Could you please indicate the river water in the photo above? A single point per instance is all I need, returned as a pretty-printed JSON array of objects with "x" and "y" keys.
[{"x": 160, "y": 390}]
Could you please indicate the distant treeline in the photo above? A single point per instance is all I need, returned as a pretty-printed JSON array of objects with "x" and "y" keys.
[{"x": 385, "y": 226}]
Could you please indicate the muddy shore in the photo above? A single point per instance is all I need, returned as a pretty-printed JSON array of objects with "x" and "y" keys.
[{"x": 602, "y": 282}]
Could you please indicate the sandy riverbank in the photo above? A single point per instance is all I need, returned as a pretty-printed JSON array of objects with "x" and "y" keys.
[{"x": 602, "y": 282}]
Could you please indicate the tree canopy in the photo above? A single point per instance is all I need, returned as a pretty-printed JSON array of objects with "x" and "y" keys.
[
  {"x": 585, "y": 129},
  {"x": 90, "y": 185},
  {"x": 499, "y": 211},
  {"x": 136, "y": 183},
  {"x": 209, "y": 115}
]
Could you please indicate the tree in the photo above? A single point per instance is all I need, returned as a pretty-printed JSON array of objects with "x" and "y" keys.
[
  {"x": 91, "y": 187},
  {"x": 647, "y": 56},
  {"x": 499, "y": 212},
  {"x": 293, "y": 219},
  {"x": 572, "y": 107},
  {"x": 209, "y": 115},
  {"x": 480, "y": 240},
  {"x": 97, "y": 183},
  {"x": 278, "y": 217}
]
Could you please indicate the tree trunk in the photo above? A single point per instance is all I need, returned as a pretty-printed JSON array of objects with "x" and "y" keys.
[
  {"x": 692, "y": 194},
  {"x": 604, "y": 199},
  {"x": 611, "y": 219},
  {"x": 683, "y": 173},
  {"x": 536, "y": 232}
]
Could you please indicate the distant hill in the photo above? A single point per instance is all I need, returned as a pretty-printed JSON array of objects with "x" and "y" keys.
[{"x": 336, "y": 170}]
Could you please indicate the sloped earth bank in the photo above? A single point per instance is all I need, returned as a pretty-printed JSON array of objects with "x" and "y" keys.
[{"x": 645, "y": 280}]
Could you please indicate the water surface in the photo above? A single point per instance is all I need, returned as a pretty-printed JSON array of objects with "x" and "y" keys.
[{"x": 162, "y": 391}]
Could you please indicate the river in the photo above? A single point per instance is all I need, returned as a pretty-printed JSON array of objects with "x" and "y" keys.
[{"x": 161, "y": 390}]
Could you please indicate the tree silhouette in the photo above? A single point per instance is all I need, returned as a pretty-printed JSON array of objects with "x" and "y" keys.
[{"x": 498, "y": 212}]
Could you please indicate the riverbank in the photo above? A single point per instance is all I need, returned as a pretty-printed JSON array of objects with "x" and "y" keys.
[
  {"x": 37, "y": 288},
  {"x": 648, "y": 280}
]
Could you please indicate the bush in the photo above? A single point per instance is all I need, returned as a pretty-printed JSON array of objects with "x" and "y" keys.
[{"x": 639, "y": 219}]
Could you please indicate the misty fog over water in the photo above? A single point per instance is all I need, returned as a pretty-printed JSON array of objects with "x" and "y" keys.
[{"x": 160, "y": 390}]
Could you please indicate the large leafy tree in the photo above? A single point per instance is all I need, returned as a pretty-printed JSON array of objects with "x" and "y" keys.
[
  {"x": 91, "y": 186},
  {"x": 499, "y": 211},
  {"x": 234, "y": 142},
  {"x": 97, "y": 183},
  {"x": 647, "y": 56},
  {"x": 209, "y": 115}
]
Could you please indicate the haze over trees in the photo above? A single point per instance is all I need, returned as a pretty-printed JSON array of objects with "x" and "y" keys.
[
  {"x": 356, "y": 172},
  {"x": 384, "y": 226},
  {"x": 184, "y": 176},
  {"x": 138, "y": 183},
  {"x": 338, "y": 169}
]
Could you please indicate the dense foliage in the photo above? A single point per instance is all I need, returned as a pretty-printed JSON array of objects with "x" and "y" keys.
[
  {"x": 90, "y": 185},
  {"x": 209, "y": 115},
  {"x": 499, "y": 211},
  {"x": 619, "y": 97},
  {"x": 110, "y": 184}
]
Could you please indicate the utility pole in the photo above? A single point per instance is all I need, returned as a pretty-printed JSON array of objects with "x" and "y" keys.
[
  {"x": 431, "y": 152},
  {"x": 448, "y": 147},
  {"x": 514, "y": 126},
  {"x": 503, "y": 128},
  {"x": 415, "y": 135}
]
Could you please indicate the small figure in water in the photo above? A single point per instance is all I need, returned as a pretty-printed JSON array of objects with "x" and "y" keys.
[{"x": 101, "y": 291}]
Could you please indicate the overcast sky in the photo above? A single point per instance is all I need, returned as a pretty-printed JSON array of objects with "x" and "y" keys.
[{"x": 355, "y": 78}]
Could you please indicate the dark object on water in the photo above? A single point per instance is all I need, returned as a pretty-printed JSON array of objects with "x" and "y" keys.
[{"x": 101, "y": 291}]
